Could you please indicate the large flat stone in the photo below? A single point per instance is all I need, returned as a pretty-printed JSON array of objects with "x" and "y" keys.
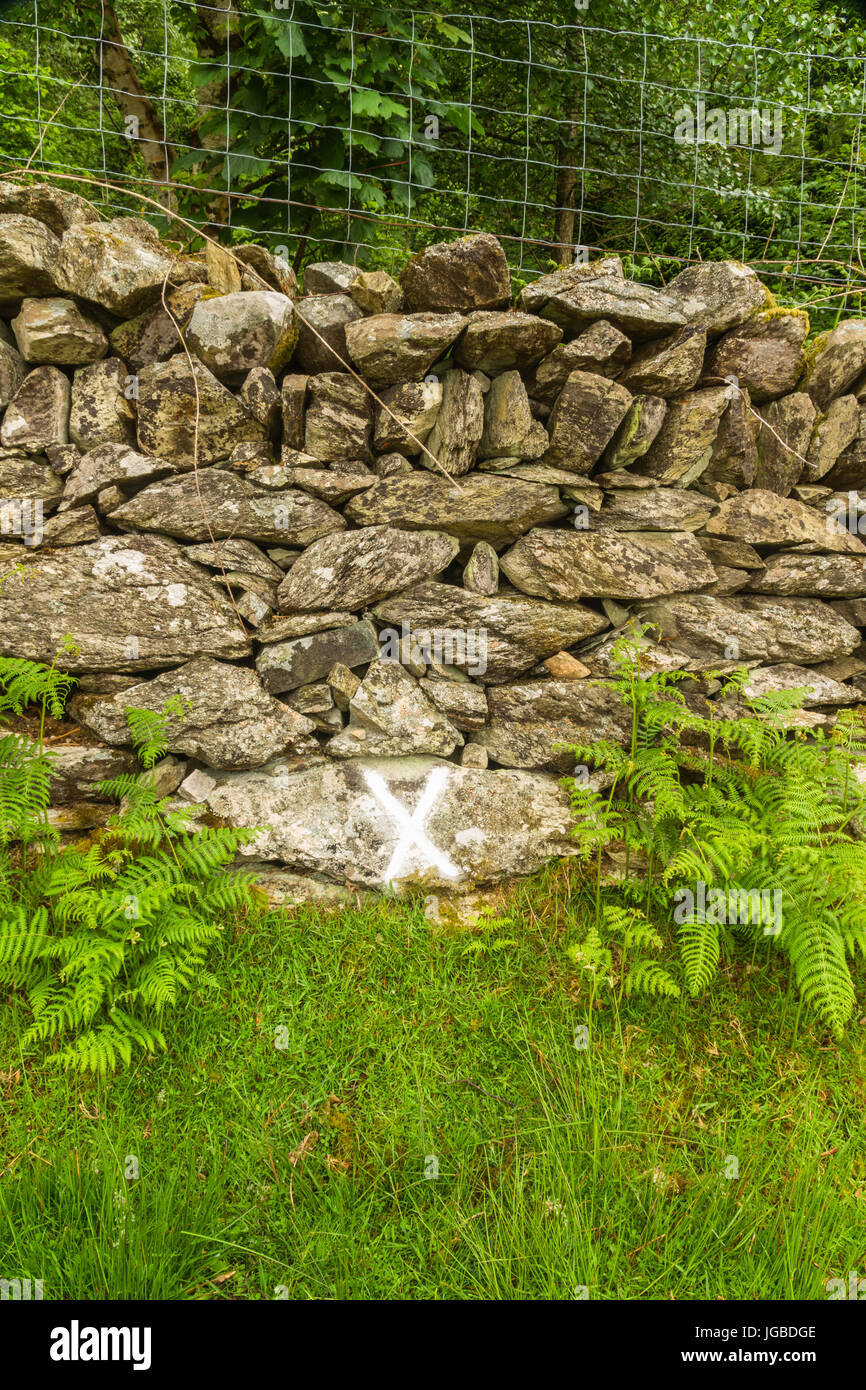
[
  {"x": 821, "y": 576},
  {"x": 763, "y": 518},
  {"x": 580, "y": 564},
  {"x": 528, "y": 721},
  {"x": 353, "y": 568},
  {"x": 217, "y": 503},
  {"x": 480, "y": 508},
  {"x": 503, "y": 635},
  {"x": 228, "y": 720},
  {"x": 576, "y": 295},
  {"x": 716, "y": 630},
  {"x": 286, "y": 665},
  {"x": 488, "y": 825},
  {"x": 130, "y": 603},
  {"x": 388, "y": 349}
]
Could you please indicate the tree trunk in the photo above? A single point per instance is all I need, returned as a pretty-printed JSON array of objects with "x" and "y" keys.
[
  {"x": 566, "y": 188},
  {"x": 138, "y": 111},
  {"x": 217, "y": 37}
]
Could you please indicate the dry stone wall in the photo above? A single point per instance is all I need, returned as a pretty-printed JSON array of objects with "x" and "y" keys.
[{"x": 379, "y": 538}]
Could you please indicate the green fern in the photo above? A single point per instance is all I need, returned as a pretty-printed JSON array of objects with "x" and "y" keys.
[
  {"x": 729, "y": 794},
  {"x": 104, "y": 939}
]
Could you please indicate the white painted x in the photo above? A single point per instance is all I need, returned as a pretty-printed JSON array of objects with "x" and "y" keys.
[{"x": 412, "y": 826}]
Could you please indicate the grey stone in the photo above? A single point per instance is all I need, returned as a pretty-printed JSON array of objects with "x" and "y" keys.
[
  {"x": 494, "y": 637},
  {"x": 507, "y": 417},
  {"x": 155, "y": 334},
  {"x": 391, "y": 717},
  {"x": 470, "y": 273},
  {"x": 279, "y": 628},
  {"x": 734, "y": 456},
  {"x": 119, "y": 265},
  {"x": 167, "y": 414},
  {"x": 457, "y": 430},
  {"x": 464, "y": 704},
  {"x": 406, "y": 416},
  {"x": 216, "y": 503},
  {"x": 238, "y": 555},
  {"x": 228, "y": 720},
  {"x": 233, "y": 333},
  {"x": 13, "y": 370},
  {"x": 783, "y": 441},
  {"x": 667, "y": 367},
  {"x": 261, "y": 395},
  {"x": 388, "y": 349},
  {"x": 481, "y": 574},
  {"x": 261, "y": 270},
  {"x": 572, "y": 565},
  {"x": 293, "y": 395},
  {"x": 107, "y": 464},
  {"x": 377, "y": 292},
  {"x": 831, "y": 436},
  {"x": 600, "y": 348},
  {"x": 489, "y": 825},
  {"x": 43, "y": 202},
  {"x": 653, "y": 509},
  {"x": 528, "y": 721},
  {"x": 28, "y": 257},
  {"x": 497, "y": 342},
  {"x": 353, "y": 568},
  {"x": 636, "y": 432},
  {"x": 286, "y": 665},
  {"x": 28, "y": 480},
  {"x": 834, "y": 361},
  {"x": 821, "y": 576},
  {"x": 718, "y": 295},
  {"x": 339, "y": 418},
  {"x": 480, "y": 508},
  {"x": 77, "y": 527},
  {"x": 576, "y": 295},
  {"x": 329, "y": 277},
  {"x": 763, "y": 518},
  {"x": 100, "y": 412},
  {"x": 38, "y": 414},
  {"x": 331, "y": 487},
  {"x": 587, "y": 412},
  {"x": 57, "y": 331},
  {"x": 765, "y": 353},
  {"x": 322, "y": 324},
  {"x": 682, "y": 449},
  {"x": 822, "y": 690},
  {"x": 129, "y": 603},
  {"x": 710, "y": 629}
]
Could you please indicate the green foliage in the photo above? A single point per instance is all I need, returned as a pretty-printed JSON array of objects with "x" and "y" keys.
[
  {"x": 737, "y": 827},
  {"x": 317, "y": 119},
  {"x": 106, "y": 936}
]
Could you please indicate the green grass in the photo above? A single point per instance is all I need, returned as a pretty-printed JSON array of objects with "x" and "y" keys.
[{"x": 559, "y": 1168}]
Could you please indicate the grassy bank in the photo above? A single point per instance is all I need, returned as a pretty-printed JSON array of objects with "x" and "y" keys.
[{"x": 282, "y": 1143}]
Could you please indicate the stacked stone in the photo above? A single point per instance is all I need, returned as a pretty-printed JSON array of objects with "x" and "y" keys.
[{"x": 413, "y": 518}]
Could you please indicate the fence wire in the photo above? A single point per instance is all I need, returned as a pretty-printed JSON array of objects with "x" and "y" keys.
[{"x": 367, "y": 133}]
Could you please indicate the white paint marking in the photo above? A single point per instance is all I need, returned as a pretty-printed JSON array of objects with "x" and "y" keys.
[{"x": 411, "y": 827}]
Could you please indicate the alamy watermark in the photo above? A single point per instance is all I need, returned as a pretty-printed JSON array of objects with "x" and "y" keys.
[
  {"x": 730, "y": 907},
  {"x": 847, "y": 513},
  {"x": 19, "y": 1290},
  {"x": 22, "y": 516},
  {"x": 735, "y": 126}
]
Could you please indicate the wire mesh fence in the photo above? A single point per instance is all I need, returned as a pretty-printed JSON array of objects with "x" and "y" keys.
[{"x": 365, "y": 132}]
